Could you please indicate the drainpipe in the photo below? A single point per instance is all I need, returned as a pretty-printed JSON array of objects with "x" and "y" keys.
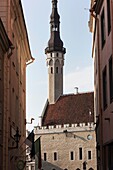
[{"x": 100, "y": 90}]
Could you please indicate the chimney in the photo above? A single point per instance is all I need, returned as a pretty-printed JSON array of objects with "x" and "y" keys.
[
  {"x": 76, "y": 90},
  {"x": 40, "y": 121}
]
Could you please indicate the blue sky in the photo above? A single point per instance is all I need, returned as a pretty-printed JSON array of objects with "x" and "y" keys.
[{"x": 78, "y": 66}]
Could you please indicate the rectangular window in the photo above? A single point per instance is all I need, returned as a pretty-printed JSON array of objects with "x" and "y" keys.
[
  {"x": 51, "y": 70},
  {"x": 57, "y": 70},
  {"x": 89, "y": 154},
  {"x": 111, "y": 78},
  {"x": 32, "y": 168},
  {"x": 45, "y": 156},
  {"x": 110, "y": 156},
  {"x": 104, "y": 88},
  {"x": 108, "y": 16},
  {"x": 55, "y": 156},
  {"x": 80, "y": 153},
  {"x": 103, "y": 28},
  {"x": 61, "y": 70},
  {"x": 71, "y": 155}
]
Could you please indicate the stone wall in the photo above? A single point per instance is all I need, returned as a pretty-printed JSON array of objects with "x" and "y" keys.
[{"x": 66, "y": 139}]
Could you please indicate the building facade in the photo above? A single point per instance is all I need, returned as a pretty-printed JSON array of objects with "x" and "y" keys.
[
  {"x": 101, "y": 24},
  {"x": 5, "y": 48},
  {"x": 13, "y": 83},
  {"x": 67, "y": 132},
  {"x": 69, "y": 147}
]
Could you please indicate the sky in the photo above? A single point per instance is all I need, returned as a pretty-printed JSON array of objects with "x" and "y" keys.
[{"x": 78, "y": 64}]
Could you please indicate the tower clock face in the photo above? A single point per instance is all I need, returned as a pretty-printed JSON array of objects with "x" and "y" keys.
[
  {"x": 20, "y": 165},
  {"x": 89, "y": 137}
]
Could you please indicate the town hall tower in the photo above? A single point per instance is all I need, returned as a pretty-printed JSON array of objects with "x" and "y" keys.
[{"x": 55, "y": 57}]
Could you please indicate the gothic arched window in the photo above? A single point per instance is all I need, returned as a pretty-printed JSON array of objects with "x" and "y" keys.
[
  {"x": 51, "y": 62},
  {"x": 57, "y": 62},
  {"x": 57, "y": 70},
  {"x": 51, "y": 70}
]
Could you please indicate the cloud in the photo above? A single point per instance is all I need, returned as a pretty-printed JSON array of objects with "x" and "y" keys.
[{"x": 81, "y": 78}]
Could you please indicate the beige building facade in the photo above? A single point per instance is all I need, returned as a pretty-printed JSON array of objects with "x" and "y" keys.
[
  {"x": 67, "y": 147},
  {"x": 101, "y": 24},
  {"x": 13, "y": 84}
]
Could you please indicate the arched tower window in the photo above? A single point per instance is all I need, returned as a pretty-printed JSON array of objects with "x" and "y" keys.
[
  {"x": 57, "y": 54},
  {"x": 57, "y": 70},
  {"x": 61, "y": 70},
  {"x": 57, "y": 62},
  {"x": 51, "y": 62},
  {"x": 51, "y": 70}
]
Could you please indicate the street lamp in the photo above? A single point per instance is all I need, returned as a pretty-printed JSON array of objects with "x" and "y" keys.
[{"x": 17, "y": 139}]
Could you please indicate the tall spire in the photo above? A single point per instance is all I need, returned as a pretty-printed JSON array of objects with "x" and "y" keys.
[
  {"x": 55, "y": 57},
  {"x": 55, "y": 43}
]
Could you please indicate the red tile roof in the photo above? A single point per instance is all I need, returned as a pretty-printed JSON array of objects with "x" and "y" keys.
[{"x": 70, "y": 109}]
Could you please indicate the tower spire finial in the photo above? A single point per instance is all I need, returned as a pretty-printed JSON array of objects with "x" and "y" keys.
[
  {"x": 55, "y": 43},
  {"x": 54, "y": 3}
]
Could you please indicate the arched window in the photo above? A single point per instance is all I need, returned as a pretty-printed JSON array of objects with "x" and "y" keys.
[
  {"x": 57, "y": 62},
  {"x": 57, "y": 54},
  {"x": 56, "y": 69},
  {"x": 91, "y": 169},
  {"x": 51, "y": 70},
  {"x": 77, "y": 169},
  {"x": 51, "y": 62}
]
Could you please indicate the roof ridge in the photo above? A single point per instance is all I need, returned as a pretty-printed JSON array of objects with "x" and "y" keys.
[{"x": 77, "y": 93}]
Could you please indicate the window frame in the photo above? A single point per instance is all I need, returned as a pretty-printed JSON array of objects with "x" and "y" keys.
[
  {"x": 80, "y": 153},
  {"x": 89, "y": 155},
  {"x": 108, "y": 16},
  {"x": 104, "y": 85},
  {"x": 55, "y": 156},
  {"x": 71, "y": 155},
  {"x": 111, "y": 79},
  {"x": 45, "y": 156},
  {"x": 103, "y": 33}
]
